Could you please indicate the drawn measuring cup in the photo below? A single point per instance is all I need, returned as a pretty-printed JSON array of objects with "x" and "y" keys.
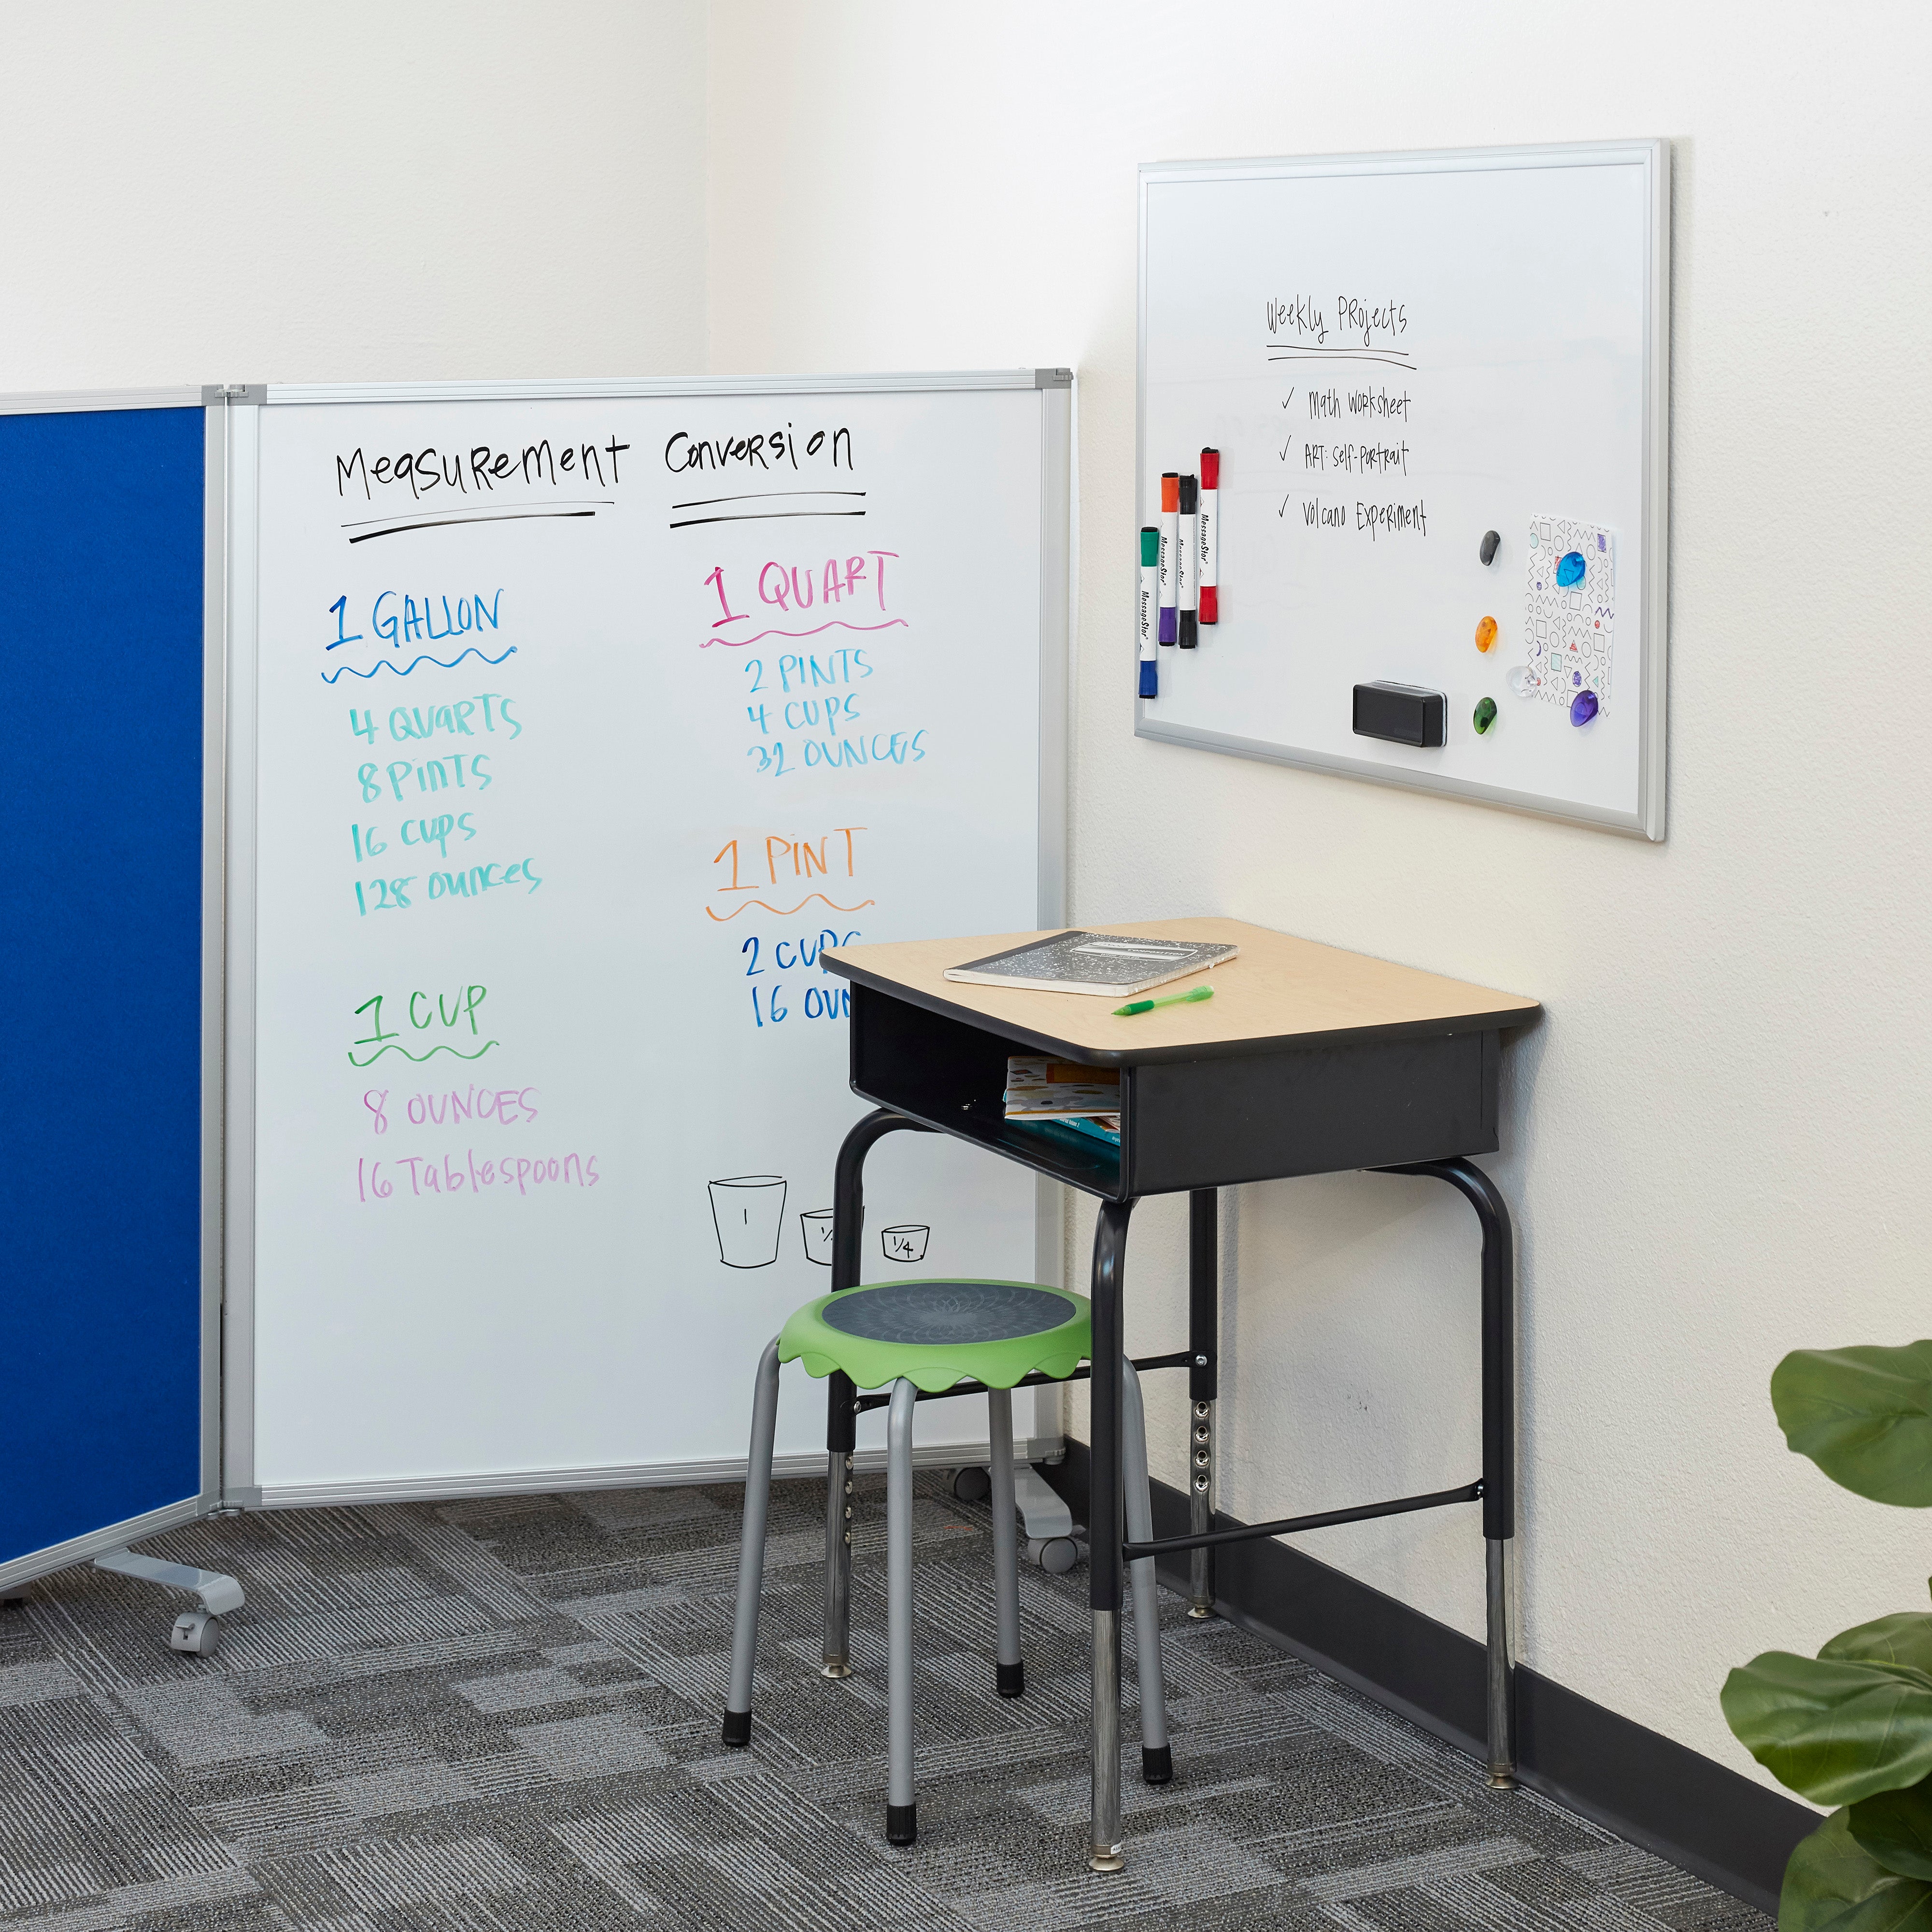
[
  {"x": 748, "y": 1212},
  {"x": 906, "y": 1243},
  {"x": 816, "y": 1228}
]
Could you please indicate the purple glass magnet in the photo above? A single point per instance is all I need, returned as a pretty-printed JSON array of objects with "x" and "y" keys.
[{"x": 1582, "y": 707}]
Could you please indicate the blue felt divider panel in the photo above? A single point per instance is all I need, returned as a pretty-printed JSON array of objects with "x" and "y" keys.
[{"x": 101, "y": 542}]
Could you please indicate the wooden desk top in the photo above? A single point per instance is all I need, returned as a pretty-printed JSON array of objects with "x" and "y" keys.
[{"x": 1280, "y": 992}]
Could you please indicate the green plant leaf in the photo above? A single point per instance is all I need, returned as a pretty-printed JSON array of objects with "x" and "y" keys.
[
  {"x": 1832, "y": 1884},
  {"x": 1895, "y": 1828},
  {"x": 1835, "y": 1729},
  {"x": 1863, "y": 1416},
  {"x": 1904, "y": 1637}
]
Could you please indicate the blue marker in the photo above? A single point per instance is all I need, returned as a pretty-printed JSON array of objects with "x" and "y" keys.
[{"x": 1150, "y": 602}]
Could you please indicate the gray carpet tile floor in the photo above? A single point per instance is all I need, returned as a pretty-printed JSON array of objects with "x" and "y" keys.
[{"x": 502, "y": 1716}]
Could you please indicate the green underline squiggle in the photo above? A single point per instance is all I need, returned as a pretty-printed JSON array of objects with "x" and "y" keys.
[{"x": 394, "y": 1047}]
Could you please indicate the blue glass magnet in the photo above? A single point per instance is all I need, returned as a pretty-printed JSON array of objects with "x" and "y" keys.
[
  {"x": 1569, "y": 568},
  {"x": 1582, "y": 707}
]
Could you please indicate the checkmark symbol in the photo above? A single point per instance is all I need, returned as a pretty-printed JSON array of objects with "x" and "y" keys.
[
  {"x": 1285, "y": 502},
  {"x": 1291, "y": 398},
  {"x": 1285, "y": 448}
]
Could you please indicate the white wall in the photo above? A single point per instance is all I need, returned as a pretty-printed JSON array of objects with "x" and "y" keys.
[
  {"x": 1717, "y": 1139},
  {"x": 367, "y": 189}
]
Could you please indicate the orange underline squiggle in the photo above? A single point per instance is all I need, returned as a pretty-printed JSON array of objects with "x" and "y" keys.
[
  {"x": 785, "y": 912},
  {"x": 830, "y": 623}
]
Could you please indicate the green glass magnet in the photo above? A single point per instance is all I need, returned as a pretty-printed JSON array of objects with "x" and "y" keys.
[{"x": 1486, "y": 715}]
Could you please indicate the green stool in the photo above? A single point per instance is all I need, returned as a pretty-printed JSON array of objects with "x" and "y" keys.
[{"x": 934, "y": 1336}]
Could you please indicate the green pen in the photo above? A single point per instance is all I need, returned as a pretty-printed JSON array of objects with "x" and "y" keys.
[{"x": 1173, "y": 999}]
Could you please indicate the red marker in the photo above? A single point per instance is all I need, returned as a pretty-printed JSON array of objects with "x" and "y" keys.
[{"x": 1209, "y": 538}]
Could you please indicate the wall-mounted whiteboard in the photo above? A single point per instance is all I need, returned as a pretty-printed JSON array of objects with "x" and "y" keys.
[
  {"x": 571, "y": 722},
  {"x": 1394, "y": 354}
]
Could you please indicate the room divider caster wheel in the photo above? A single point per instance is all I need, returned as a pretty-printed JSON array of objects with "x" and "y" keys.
[
  {"x": 972, "y": 1486},
  {"x": 196, "y": 1632},
  {"x": 1055, "y": 1555}
]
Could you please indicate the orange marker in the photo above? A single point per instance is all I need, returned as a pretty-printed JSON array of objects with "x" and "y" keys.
[{"x": 1170, "y": 553}]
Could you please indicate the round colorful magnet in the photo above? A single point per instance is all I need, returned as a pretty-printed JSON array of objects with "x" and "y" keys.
[
  {"x": 1582, "y": 707},
  {"x": 1569, "y": 569},
  {"x": 1486, "y": 715},
  {"x": 1486, "y": 634}
]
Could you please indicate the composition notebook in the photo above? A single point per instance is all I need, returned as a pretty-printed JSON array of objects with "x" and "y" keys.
[{"x": 1093, "y": 962}]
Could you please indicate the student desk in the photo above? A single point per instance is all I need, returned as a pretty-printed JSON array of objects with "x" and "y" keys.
[{"x": 1308, "y": 1060}]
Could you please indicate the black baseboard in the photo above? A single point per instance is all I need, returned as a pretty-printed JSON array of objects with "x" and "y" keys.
[{"x": 1699, "y": 1814}]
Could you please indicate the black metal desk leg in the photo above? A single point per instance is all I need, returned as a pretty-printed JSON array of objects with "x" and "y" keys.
[
  {"x": 1498, "y": 1454},
  {"x": 848, "y": 1225},
  {"x": 1203, "y": 1385},
  {"x": 1104, "y": 1536},
  {"x": 1498, "y": 1443}
]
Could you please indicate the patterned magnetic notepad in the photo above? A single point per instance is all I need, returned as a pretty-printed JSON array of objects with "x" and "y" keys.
[{"x": 1569, "y": 611}]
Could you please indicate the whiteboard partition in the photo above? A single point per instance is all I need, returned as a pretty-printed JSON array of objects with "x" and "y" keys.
[
  {"x": 1395, "y": 355},
  {"x": 576, "y": 720}
]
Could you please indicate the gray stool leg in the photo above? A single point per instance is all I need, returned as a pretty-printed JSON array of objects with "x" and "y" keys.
[
  {"x": 1156, "y": 1755},
  {"x": 751, "y": 1550},
  {"x": 1009, "y": 1676},
  {"x": 901, "y": 1809}
]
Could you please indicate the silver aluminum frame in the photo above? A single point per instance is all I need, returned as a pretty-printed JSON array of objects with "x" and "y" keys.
[
  {"x": 240, "y": 430},
  {"x": 1654, "y": 589},
  {"x": 240, "y": 1487},
  {"x": 113, "y": 1536}
]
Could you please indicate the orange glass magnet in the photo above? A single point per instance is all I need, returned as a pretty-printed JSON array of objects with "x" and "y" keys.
[{"x": 1486, "y": 634}]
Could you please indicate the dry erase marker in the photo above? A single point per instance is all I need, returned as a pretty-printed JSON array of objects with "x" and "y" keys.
[
  {"x": 1170, "y": 539},
  {"x": 1210, "y": 536},
  {"x": 1187, "y": 574},
  {"x": 1150, "y": 602}
]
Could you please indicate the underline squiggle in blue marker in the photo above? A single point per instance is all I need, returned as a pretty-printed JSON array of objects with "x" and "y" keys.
[{"x": 403, "y": 670}]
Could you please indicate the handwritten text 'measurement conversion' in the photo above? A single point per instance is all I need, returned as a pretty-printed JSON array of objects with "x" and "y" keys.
[{"x": 479, "y": 471}]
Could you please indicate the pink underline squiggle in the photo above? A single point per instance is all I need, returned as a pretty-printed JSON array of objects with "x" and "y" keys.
[{"x": 830, "y": 623}]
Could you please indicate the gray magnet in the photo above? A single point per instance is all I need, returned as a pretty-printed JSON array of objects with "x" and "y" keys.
[{"x": 1490, "y": 542}]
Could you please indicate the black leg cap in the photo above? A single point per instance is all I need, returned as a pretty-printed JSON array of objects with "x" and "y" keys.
[
  {"x": 1157, "y": 1766},
  {"x": 1009, "y": 1679},
  {"x": 737, "y": 1728},
  {"x": 901, "y": 1824}
]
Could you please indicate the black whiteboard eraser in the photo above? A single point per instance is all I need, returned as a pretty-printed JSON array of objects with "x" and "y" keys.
[
  {"x": 1487, "y": 550},
  {"x": 1403, "y": 714}
]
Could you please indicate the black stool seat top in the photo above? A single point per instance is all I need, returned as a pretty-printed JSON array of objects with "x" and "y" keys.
[{"x": 948, "y": 1313}]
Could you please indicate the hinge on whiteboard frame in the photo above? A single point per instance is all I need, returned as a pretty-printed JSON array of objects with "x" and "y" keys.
[{"x": 212, "y": 393}]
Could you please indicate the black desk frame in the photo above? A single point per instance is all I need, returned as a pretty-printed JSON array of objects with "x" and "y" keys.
[{"x": 1417, "y": 1100}]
